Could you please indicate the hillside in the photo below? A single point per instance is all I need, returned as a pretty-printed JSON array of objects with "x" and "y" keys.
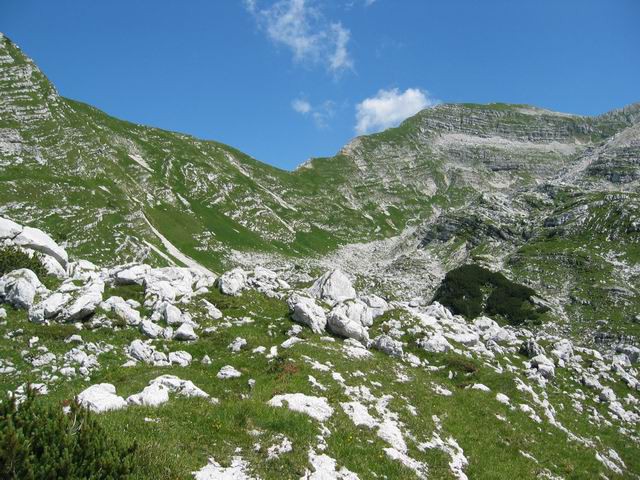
[{"x": 187, "y": 293}]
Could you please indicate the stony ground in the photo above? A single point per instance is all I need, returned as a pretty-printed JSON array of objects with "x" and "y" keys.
[{"x": 251, "y": 375}]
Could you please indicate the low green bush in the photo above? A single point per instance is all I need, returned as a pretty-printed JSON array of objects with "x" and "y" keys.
[
  {"x": 471, "y": 290},
  {"x": 39, "y": 441},
  {"x": 12, "y": 258}
]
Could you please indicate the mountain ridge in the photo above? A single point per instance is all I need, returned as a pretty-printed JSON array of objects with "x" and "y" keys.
[{"x": 452, "y": 184}]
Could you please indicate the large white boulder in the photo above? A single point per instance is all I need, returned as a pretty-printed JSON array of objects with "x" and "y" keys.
[
  {"x": 9, "y": 229},
  {"x": 36, "y": 239},
  {"x": 333, "y": 287},
  {"x": 185, "y": 332},
  {"x": 185, "y": 388},
  {"x": 152, "y": 396},
  {"x": 49, "y": 308},
  {"x": 180, "y": 358},
  {"x": 306, "y": 311},
  {"x": 101, "y": 398},
  {"x": 227, "y": 372},
  {"x": 150, "y": 329},
  {"x": 544, "y": 365},
  {"x": 141, "y": 351},
  {"x": 212, "y": 311},
  {"x": 316, "y": 407},
  {"x": 85, "y": 304},
  {"x": 122, "y": 310},
  {"x": 19, "y": 288},
  {"x": 388, "y": 345},
  {"x": 233, "y": 282},
  {"x": 435, "y": 344},
  {"x": 563, "y": 350},
  {"x": 377, "y": 305},
  {"x": 131, "y": 275},
  {"x": 356, "y": 311},
  {"x": 340, "y": 324}
]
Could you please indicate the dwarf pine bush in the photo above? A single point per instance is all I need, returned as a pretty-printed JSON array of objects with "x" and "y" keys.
[
  {"x": 12, "y": 259},
  {"x": 39, "y": 441},
  {"x": 471, "y": 290}
]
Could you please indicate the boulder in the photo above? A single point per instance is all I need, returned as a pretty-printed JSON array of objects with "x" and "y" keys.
[
  {"x": 530, "y": 348},
  {"x": 233, "y": 282},
  {"x": 227, "y": 372},
  {"x": 356, "y": 311},
  {"x": 212, "y": 311},
  {"x": 150, "y": 329},
  {"x": 180, "y": 358},
  {"x": 633, "y": 353},
  {"x": 342, "y": 325},
  {"x": 85, "y": 304},
  {"x": 49, "y": 308},
  {"x": 435, "y": 344},
  {"x": 152, "y": 396},
  {"x": 388, "y": 345},
  {"x": 9, "y": 229},
  {"x": 563, "y": 350},
  {"x": 333, "y": 287},
  {"x": 141, "y": 351},
  {"x": 122, "y": 310},
  {"x": 185, "y": 388},
  {"x": 185, "y": 332},
  {"x": 132, "y": 275},
  {"x": 101, "y": 398},
  {"x": 305, "y": 310},
  {"x": 544, "y": 365},
  {"x": 36, "y": 239},
  {"x": 19, "y": 288},
  {"x": 377, "y": 305}
]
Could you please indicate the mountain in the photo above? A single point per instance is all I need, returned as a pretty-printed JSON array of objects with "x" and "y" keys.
[
  {"x": 525, "y": 190},
  {"x": 196, "y": 300}
]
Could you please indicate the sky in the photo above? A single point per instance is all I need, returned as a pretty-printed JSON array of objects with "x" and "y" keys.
[{"x": 286, "y": 80}]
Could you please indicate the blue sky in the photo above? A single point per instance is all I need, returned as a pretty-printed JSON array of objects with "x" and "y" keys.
[{"x": 285, "y": 80}]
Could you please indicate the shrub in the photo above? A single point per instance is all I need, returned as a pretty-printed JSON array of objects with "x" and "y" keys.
[
  {"x": 472, "y": 290},
  {"x": 12, "y": 258},
  {"x": 39, "y": 441}
]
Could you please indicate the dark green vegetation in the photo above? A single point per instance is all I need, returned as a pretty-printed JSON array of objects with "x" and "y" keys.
[
  {"x": 40, "y": 442},
  {"x": 472, "y": 291},
  {"x": 12, "y": 258}
]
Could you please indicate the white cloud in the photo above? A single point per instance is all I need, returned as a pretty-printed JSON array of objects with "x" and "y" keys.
[
  {"x": 340, "y": 59},
  {"x": 303, "y": 29},
  {"x": 321, "y": 114},
  {"x": 390, "y": 107},
  {"x": 301, "y": 106}
]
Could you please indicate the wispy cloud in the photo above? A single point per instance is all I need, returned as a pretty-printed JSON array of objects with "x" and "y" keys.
[
  {"x": 300, "y": 26},
  {"x": 301, "y": 106},
  {"x": 390, "y": 107},
  {"x": 320, "y": 114}
]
